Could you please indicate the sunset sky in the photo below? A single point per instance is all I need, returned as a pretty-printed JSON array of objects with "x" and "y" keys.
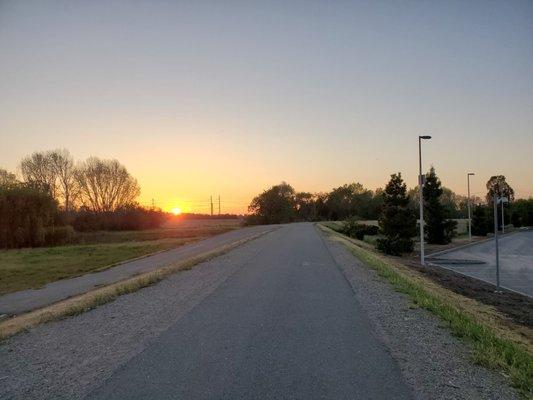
[{"x": 228, "y": 98}]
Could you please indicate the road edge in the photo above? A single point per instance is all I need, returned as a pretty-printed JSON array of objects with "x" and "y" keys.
[
  {"x": 89, "y": 300},
  {"x": 466, "y": 245},
  {"x": 467, "y": 319}
]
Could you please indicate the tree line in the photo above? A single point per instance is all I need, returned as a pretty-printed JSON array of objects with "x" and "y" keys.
[
  {"x": 55, "y": 196},
  {"x": 395, "y": 207},
  {"x": 281, "y": 203}
]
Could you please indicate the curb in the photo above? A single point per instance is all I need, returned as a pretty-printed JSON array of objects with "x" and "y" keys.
[
  {"x": 479, "y": 279},
  {"x": 438, "y": 253}
]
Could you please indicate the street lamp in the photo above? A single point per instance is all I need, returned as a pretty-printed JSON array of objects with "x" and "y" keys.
[
  {"x": 497, "y": 200},
  {"x": 468, "y": 203},
  {"x": 503, "y": 216},
  {"x": 421, "y": 181}
]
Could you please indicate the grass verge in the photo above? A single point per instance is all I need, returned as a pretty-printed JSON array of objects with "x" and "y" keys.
[
  {"x": 507, "y": 351},
  {"x": 93, "y": 299},
  {"x": 33, "y": 268}
]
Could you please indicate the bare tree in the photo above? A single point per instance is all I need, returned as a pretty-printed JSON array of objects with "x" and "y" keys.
[
  {"x": 53, "y": 170},
  {"x": 7, "y": 178},
  {"x": 105, "y": 185},
  {"x": 39, "y": 169},
  {"x": 64, "y": 169}
]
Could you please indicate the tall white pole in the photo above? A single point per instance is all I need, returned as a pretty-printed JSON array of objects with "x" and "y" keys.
[
  {"x": 468, "y": 204},
  {"x": 503, "y": 221},
  {"x": 496, "y": 241},
  {"x": 420, "y": 184}
]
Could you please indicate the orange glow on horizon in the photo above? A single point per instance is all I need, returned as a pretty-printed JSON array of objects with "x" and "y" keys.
[{"x": 176, "y": 211}]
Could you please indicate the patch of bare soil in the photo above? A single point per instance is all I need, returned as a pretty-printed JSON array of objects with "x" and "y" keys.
[{"x": 517, "y": 307}]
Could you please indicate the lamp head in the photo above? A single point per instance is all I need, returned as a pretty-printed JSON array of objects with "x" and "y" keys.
[{"x": 425, "y": 137}]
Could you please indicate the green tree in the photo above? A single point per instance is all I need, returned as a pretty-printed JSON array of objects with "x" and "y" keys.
[
  {"x": 499, "y": 186},
  {"x": 276, "y": 205},
  {"x": 522, "y": 212},
  {"x": 480, "y": 220},
  {"x": 398, "y": 220},
  {"x": 306, "y": 207},
  {"x": 438, "y": 229},
  {"x": 27, "y": 211},
  {"x": 349, "y": 200}
]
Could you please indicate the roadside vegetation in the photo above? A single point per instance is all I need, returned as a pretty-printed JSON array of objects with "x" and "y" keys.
[
  {"x": 60, "y": 219},
  {"x": 93, "y": 299},
  {"x": 31, "y": 268},
  {"x": 496, "y": 343}
]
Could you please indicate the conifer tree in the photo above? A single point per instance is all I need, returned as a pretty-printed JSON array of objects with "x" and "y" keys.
[
  {"x": 398, "y": 220},
  {"x": 438, "y": 229},
  {"x": 480, "y": 221}
]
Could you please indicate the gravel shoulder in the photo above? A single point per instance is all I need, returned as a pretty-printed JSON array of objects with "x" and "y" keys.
[
  {"x": 68, "y": 358},
  {"x": 27, "y": 300},
  {"x": 436, "y": 364}
]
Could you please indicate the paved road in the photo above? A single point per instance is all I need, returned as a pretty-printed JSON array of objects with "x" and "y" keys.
[
  {"x": 26, "y": 300},
  {"x": 287, "y": 326},
  {"x": 516, "y": 261}
]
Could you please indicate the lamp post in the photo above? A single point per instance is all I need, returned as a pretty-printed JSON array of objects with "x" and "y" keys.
[
  {"x": 496, "y": 201},
  {"x": 421, "y": 181},
  {"x": 503, "y": 220},
  {"x": 468, "y": 204}
]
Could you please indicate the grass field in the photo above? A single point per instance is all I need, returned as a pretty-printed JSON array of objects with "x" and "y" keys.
[{"x": 32, "y": 268}]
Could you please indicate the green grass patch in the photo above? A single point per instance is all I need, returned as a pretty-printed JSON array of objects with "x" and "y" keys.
[
  {"x": 489, "y": 349},
  {"x": 34, "y": 268}
]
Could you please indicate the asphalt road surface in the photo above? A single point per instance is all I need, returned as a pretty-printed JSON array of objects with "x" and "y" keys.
[
  {"x": 287, "y": 326},
  {"x": 289, "y": 315},
  {"x": 516, "y": 261},
  {"x": 27, "y": 300}
]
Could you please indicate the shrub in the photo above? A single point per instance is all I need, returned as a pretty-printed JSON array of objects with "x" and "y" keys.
[
  {"x": 395, "y": 245},
  {"x": 358, "y": 230},
  {"x": 25, "y": 212},
  {"x": 55, "y": 236},
  {"x": 130, "y": 218},
  {"x": 450, "y": 230}
]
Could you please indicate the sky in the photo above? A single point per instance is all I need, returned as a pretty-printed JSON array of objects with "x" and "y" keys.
[{"x": 201, "y": 98}]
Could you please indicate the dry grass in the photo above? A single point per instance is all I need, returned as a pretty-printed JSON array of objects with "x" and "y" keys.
[
  {"x": 496, "y": 342},
  {"x": 88, "y": 301}
]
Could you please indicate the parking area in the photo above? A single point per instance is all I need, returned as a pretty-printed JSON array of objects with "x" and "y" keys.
[{"x": 479, "y": 261}]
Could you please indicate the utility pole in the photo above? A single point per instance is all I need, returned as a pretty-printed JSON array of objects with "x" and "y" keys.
[
  {"x": 420, "y": 186},
  {"x": 218, "y": 204},
  {"x": 468, "y": 204},
  {"x": 211, "y": 205},
  {"x": 153, "y": 204}
]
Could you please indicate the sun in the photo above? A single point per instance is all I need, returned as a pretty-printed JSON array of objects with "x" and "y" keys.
[{"x": 176, "y": 211}]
